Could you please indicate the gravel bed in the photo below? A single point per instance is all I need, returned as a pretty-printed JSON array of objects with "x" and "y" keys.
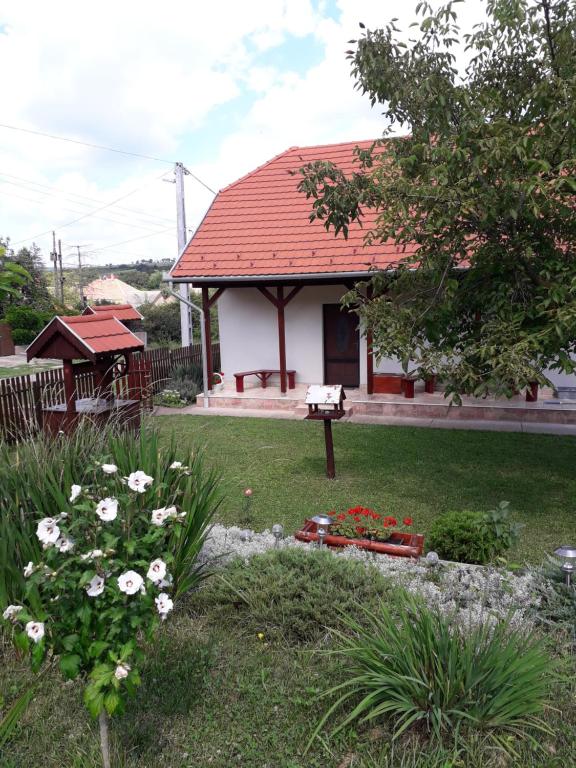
[{"x": 472, "y": 592}]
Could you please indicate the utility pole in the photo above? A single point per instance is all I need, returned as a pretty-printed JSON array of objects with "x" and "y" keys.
[
  {"x": 185, "y": 314},
  {"x": 80, "y": 280},
  {"x": 53, "y": 259},
  {"x": 61, "y": 277}
]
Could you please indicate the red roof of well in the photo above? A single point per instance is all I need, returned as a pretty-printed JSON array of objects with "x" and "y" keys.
[
  {"x": 86, "y": 337},
  {"x": 259, "y": 226},
  {"x": 120, "y": 311}
]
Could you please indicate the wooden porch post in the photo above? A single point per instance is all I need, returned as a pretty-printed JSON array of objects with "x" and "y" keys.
[
  {"x": 369, "y": 355},
  {"x": 69, "y": 387},
  {"x": 282, "y": 339},
  {"x": 208, "y": 336}
]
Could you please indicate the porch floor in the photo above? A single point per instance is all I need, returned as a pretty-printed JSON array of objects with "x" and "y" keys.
[{"x": 545, "y": 415}]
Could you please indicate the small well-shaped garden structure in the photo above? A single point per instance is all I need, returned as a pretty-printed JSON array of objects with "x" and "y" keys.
[{"x": 98, "y": 345}]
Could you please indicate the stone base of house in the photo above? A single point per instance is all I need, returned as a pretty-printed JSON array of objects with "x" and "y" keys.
[{"x": 423, "y": 406}]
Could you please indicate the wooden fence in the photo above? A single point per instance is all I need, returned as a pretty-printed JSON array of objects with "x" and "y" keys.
[{"x": 22, "y": 397}]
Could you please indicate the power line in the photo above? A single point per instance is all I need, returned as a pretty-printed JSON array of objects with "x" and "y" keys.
[
  {"x": 138, "y": 225},
  {"x": 131, "y": 240},
  {"x": 104, "y": 148},
  {"x": 86, "y": 143},
  {"x": 89, "y": 213},
  {"x": 71, "y": 195}
]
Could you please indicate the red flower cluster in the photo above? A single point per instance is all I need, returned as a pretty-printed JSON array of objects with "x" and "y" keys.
[{"x": 361, "y": 514}]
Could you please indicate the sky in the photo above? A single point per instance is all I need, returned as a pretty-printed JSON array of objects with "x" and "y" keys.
[{"x": 220, "y": 86}]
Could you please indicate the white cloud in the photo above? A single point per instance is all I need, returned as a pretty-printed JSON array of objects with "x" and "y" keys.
[{"x": 147, "y": 78}]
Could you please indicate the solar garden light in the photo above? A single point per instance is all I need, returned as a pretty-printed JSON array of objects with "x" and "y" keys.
[
  {"x": 278, "y": 533},
  {"x": 323, "y": 523},
  {"x": 568, "y": 554}
]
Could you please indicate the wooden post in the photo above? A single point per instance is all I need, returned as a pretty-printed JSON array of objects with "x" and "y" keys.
[
  {"x": 369, "y": 355},
  {"x": 281, "y": 339},
  {"x": 69, "y": 387},
  {"x": 208, "y": 336},
  {"x": 330, "y": 469},
  {"x": 532, "y": 392}
]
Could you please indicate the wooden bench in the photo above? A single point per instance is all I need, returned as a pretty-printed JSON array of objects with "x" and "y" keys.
[{"x": 263, "y": 374}]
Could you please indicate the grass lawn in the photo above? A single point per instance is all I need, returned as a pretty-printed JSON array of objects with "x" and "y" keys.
[
  {"x": 216, "y": 694},
  {"x": 397, "y": 470},
  {"x": 22, "y": 370}
]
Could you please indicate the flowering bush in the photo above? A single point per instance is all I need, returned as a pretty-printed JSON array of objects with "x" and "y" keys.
[
  {"x": 111, "y": 564},
  {"x": 170, "y": 398},
  {"x": 361, "y": 522}
]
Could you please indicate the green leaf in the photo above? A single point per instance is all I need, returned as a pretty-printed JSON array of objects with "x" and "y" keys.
[
  {"x": 112, "y": 702},
  {"x": 70, "y": 665},
  {"x": 93, "y": 700},
  {"x": 97, "y": 648}
]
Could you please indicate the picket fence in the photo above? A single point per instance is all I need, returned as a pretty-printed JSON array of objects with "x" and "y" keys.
[{"x": 22, "y": 397}]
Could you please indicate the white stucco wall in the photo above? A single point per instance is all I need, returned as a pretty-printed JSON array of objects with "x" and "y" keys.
[
  {"x": 249, "y": 332},
  {"x": 249, "y": 335}
]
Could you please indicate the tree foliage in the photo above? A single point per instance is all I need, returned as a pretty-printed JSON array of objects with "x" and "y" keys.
[
  {"x": 12, "y": 277},
  {"x": 32, "y": 288},
  {"x": 484, "y": 186}
]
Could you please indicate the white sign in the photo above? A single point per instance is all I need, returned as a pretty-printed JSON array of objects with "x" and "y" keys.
[{"x": 324, "y": 395}]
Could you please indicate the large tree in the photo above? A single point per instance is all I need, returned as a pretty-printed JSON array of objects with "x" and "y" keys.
[
  {"x": 483, "y": 183},
  {"x": 33, "y": 292}
]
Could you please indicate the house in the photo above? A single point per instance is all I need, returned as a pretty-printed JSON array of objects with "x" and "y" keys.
[
  {"x": 278, "y": 279},
  {"x": 111, "y": 288}
]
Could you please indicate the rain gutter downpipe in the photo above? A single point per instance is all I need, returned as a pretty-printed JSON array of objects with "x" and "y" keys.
[{"x": 202, "y": 339}]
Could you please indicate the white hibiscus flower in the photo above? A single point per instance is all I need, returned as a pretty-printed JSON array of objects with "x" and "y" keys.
[
  {"x": 94, "y": 553},
  {"x": 164, "y": 604},
  {"x": 122, "y": 671},
  {"x": 107, "y": 509},
  {"x": 47, "y": 531},
  {"x": 139, "y": 481},
  {"x": 177, "y": 465},
  {"x": 157, "y": 570},
  {"x": 65, "y": 544},
  {"x": 12, "y": 612},
  {"x": 95, "y": 586},
  {"x": 75, "y": 491},
  {"x": 35, "y": 630},
  {"x": 29, "y": 569},
  {"x": 162, "y": 514},
  {"x": 109, "y": 469},
  {"x": 130, "y": 582}
]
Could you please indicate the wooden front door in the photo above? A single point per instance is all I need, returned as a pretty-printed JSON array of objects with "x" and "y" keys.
[{"x": 341, "y": 347}]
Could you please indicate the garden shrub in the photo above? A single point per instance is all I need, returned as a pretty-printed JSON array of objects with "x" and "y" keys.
[
  {"x": 35, "y": 474},
  {"x": 23, "y": 337},
  {"x": 187, "y": 381},
  {"x": 467, "y": 536},
  {"x": 118, "y": 547},
  {"x": 293, "y": 594},
  {"x": 421, "y": 668},
  {"x": 26, "y": 323}
]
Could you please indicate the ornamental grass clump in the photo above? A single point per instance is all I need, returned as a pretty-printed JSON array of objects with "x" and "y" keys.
[
  {"x": 422, "y": 670},
  {"x": 115, "y": 554}
]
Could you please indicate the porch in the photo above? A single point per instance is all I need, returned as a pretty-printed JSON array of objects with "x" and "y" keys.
[{"x": 423, "y": 410}]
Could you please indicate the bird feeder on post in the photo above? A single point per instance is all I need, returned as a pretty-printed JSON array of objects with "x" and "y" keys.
[{"x": 326, "y": 403}]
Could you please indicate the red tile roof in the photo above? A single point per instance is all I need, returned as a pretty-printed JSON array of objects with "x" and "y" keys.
[
  {"x": 84, "y": 337},
  {"x": 120, "y": 311},
  {"x": 259, "y": 226}
]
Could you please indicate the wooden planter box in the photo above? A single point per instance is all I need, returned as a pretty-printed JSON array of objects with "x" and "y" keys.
[
  {"x": 393, "y": 384},
  {"x": 400, "y": 544}
]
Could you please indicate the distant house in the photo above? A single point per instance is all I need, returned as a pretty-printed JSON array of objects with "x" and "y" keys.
[
  {"x": 278, "y": 278},
  {"x": 111, "y": 288}
]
